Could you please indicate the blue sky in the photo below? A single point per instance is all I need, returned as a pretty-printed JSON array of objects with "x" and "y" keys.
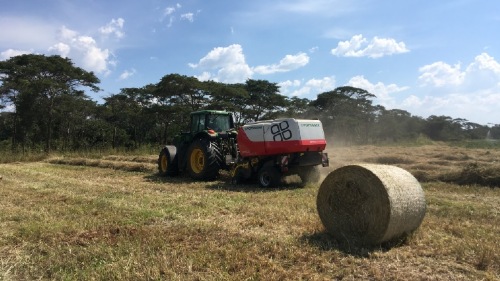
[{"x": 426, "y": 57}]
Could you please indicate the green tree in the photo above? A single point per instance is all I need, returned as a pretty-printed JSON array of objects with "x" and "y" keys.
[
  {"x": 347, "y": 113},
  {"x": 298, "y": 107},
  {"x": 264, "y": 100},
  {"x": 129, "y": 111},
  {"x": 35, "y": 85},
  {"x": 229, "y": 97},
  {"x": 396, "y": 125},
  {"x": 444, "y": 128}
]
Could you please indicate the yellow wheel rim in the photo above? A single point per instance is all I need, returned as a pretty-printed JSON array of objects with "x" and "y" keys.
[
  {"x": 197, "y": 160},
  {"x": 164, "y": 163}
]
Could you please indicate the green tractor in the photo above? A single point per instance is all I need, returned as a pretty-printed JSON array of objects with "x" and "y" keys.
[{"x": 208, "y": 147}]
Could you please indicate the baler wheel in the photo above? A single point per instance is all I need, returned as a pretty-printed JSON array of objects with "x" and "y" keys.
[
  {"x": 269, "y": 176},
  {"x": 309, "y": 175}
]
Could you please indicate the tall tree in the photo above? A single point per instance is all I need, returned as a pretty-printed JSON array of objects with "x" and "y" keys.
[
  {"x": 347, "y": 113},
  {"x": 264, "y": 100},
  {"x": 443, "y": 128},
  {"x": 35, "y": 84},
  {"x": 130, "y": 110},
  {"x": 297, "y": 107},
  {"x": 229, "y": 97}
]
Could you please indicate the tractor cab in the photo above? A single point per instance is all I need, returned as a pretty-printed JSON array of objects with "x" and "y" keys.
[{"x": 211, "y": 121}]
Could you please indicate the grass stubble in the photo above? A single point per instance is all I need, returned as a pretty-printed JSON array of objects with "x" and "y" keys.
[{"x": 75, "y": 219}]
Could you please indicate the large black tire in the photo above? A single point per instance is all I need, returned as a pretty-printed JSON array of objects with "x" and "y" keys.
[
  {"x": 269, "y": 176},
  {"x": 167, "y": 161},
  {"x": 309, "y": 175},
  {"x": 218, "y": 153},
  {"x": 202, "y": 160}
]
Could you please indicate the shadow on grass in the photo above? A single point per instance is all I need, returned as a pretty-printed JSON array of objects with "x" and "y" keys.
[
  {"x": 223, "y": 183},
  {"x": 326, "y": 242},
  {"x": 250, "y": 186},
  {"x": 157, "y": 178}
]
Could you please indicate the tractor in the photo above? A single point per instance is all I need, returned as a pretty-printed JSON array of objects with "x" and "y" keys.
[
  {"x": 264, "y": 150},
  {"x": 202, "y": 150}
]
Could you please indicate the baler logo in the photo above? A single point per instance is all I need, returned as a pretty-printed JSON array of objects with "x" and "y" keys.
[
  {"x": 252, "y": 128},
  {"x": 309, "y": 125},
  {"x": 281, "y": 132}
]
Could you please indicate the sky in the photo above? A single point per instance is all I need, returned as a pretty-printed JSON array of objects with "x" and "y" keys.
[{"x": 425, "y": 57}]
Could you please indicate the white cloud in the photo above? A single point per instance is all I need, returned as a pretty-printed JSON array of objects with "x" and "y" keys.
[
  {"x": 289, "y": 83},
  {"x": 66, "y": 33},
  {"x": 413, "y": 102},
  {"x": 311, "y": 87},
  {"x": 479, "y": 106},
  {"x": 441, "y": 74},
  {"x": 170, "y": 22},
  {"x": 472, "y": 92},
  {"x": 205, "y": 76},
  {"x": 61, "y": 48},
  {"x": 483, "y": 72},
  {"x": 358, "y": 46},
  {"x": 225, "y": 64},
  {"x": 286, "y": 85},
  {"x": 115, "y": 27},
  {"x": 26, "y": 32},
  {"x": 188, "y": 16},
  {"x": 7, "y": 54},
  {"x": 93, "y": 57},
  {"x": 127, "y": 74},
  {"x": 484, "y": 62},
  {"x": 316, "y": 8},
  {"x": 83, "y": 50},
  {"x": 288, "y": 63},
  {"x": 380, "y": 90},
  {"x": 168, "y": 11}
]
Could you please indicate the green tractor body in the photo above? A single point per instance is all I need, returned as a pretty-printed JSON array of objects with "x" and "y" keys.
[{"x": 203, "y": 150}]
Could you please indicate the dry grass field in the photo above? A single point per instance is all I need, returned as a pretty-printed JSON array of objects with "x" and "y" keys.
[{"x": 113, "y": 218}]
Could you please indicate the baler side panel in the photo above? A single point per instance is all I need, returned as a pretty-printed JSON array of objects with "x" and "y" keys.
[
  {"x": 281, "y": 136},
  {"x": 251, "y": 141}
]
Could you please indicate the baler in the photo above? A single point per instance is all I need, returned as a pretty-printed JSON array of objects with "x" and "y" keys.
[
  {"x": 264, "y": 150},
  {"x": 273, "y": 148}
]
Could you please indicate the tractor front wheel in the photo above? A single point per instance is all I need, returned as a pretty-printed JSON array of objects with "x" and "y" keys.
[
  {"x": 167, "y": 161},
  {"x": 202, "y": 160}
]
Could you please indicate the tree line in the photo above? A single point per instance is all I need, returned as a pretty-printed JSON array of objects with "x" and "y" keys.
[{"x": 44, "y": 105}]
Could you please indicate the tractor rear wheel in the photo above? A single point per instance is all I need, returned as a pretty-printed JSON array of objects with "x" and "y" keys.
[
  {"x": 202, "y": 160},
  {"x": 167, "y": 161},
  {"x": 269, "y": 176}
]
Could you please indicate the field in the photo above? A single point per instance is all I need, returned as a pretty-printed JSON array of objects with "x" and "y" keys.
[{"x": 113, "y": 218}]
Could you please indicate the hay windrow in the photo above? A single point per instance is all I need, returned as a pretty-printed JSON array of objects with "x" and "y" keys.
[
  {"x": 474, "y": 173},
  {"x": 117, "y": 165},
  {"x": 139, "y": 159},
  {"x": 389, "y": 160},
  {"x": 369, "y": 204}
]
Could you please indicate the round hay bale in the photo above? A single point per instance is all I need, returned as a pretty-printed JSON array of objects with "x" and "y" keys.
[{"x": 368, "y": 204}]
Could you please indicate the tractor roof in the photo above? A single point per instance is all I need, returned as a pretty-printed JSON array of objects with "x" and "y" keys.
[{"x": 217, "y": 112}]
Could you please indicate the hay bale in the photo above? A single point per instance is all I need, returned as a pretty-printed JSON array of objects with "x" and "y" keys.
[{"x": 369, "y": 204}]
